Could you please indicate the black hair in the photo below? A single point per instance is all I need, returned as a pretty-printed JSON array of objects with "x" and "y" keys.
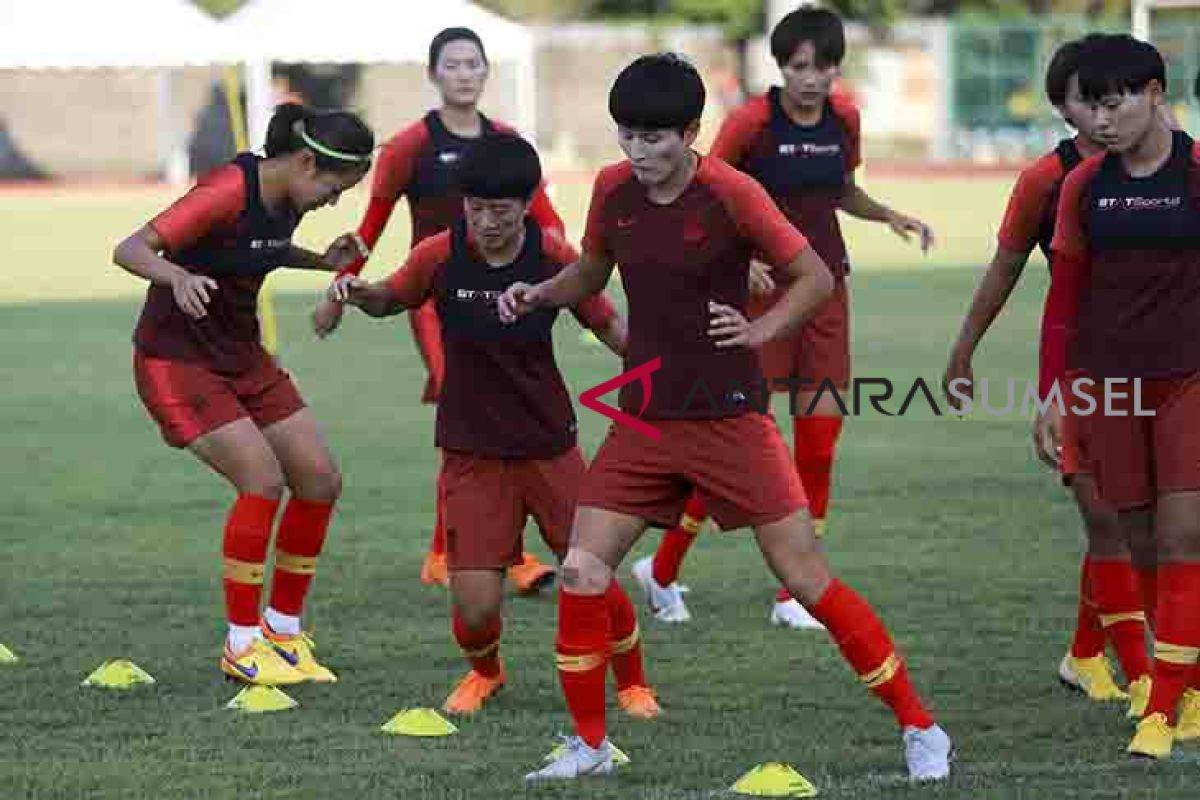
[
  {"x": 657, "y": 91},
  {"x": 499, "y": 166},
  {"x": 1118, "y": 63},
  {"x": 1063, "y": 64},
  {"x": 449, "y": 35},
  {"x": 336, "y": 132},
  {"x": 818, "y": 26}
]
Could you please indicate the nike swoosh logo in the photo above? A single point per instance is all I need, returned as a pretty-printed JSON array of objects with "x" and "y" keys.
[
  {"x": 249, "y": 672},
  {"x": 291, "y": 658}
]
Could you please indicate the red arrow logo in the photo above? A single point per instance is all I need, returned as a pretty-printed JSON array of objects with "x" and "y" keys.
[{"x": 590, "y": 398}]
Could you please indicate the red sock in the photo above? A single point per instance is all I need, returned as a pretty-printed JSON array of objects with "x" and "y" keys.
[
  {"x": 1089, "y": 634},
  {"x": 866, "y": 645},
  {"x": 627, "y": 640},
  {"x": 1177, "y": 637},
  {"x": 1148, "y": 585},
  {"x": 481, "y": 646},
  {"x": 437, "y": 545},
  {"x": 301, "y": 537},
  {"x": 677, "y": 541},
  {"x": 815, "y": 440},
  {"x": 1115, "y": 587},
  {"x": 247, "y": 534},
  {"x": 584, "y": 633}
]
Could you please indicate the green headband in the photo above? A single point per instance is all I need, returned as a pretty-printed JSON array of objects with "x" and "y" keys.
[{"x": 327, "y": 151}]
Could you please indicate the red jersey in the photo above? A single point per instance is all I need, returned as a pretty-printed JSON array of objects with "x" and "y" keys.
[
  {"x": 805, "y": 168},
  {"x": 1032, "y": 206},
  {"x": 673, "y": 260},
  {"x": 418, "y": 162},
  {"x": 1125, "y": 297},
  {"x": 221, "y": 229},
  {"x": 503, "y": 396}
]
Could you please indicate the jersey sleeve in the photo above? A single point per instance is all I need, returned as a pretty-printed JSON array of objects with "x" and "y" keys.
[
  {"x": 412, "y": 284},
  {"x": 1069, "y": 235},
  {"x": 596, "y": 234},
  {"x": 739, "y": 130},
  {"x": 397, "y": 161},
  {"x": 847, "y": 111},
  {"x": 1027, "y": 205},
  {"x": 214, "y": 202},
  {"x": 758, "y": 218}
]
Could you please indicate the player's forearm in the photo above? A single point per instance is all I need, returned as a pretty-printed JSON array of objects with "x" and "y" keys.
[
  {"x": 990, "y": 298},
  {"x": 615, "y": 335},
  {"x": 376, "y": 300},
  {"x": 584, "y": 278},
  {"x": 136, "y": 257},
  {"x": 379, "y": 212},
  {"x": 857, "y": 203},
  {"x": 302, "y": 258},
  {"x": 813, "y": 286}
]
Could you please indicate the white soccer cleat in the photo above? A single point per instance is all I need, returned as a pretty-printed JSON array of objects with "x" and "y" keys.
[
  {"x": 927, "y": 752},
  {"x": 666, "y": 602},
  {"x": 577, "y": 760},
  {"x": 795, "y": 616}
]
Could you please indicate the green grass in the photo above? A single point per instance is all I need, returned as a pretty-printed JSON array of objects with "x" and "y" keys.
[{"x": 109, "y": 547}]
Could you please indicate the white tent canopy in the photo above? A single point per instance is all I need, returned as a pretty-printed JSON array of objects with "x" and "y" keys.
[{"x": 369, "y": 31}]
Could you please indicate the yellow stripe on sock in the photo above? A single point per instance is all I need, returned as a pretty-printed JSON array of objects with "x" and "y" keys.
[
  {"x": 1176, "y": 653},
  {"x": 819, "y": 527},
  {"x": 886, "y": 671},
  {"x": 1108, "y": 620},
  {"x": 689, "y": 524},
  {"x": 584, "y": 663},
  {"x": 297, "y": 565},
  {"x": 244, "y": 571},
  {"x": 628, "y": 643},
  {"x": 483, "y": 651}
]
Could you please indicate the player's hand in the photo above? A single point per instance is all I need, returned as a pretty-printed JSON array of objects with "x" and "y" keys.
[
  {"x": 730, "y": 328},
  {"x": 192, "y": 293},
  {"x": 347, "y": 289},
  {"x": 326, "y": 317},
  {"x": 518, "y": 300},
  {"x": 958, "y": 369},
  {"x": 1047, "y": 437},
  {"x": 344, "y": 251},
  {"x": 905, "y": 226},
  {"x": 761, "y": 282}
]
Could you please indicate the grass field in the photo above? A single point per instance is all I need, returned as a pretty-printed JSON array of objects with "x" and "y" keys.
[{"x": 109, "y": 547}]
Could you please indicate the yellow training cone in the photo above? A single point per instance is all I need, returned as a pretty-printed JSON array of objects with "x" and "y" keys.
[
  {"x": 118, "y": 673},
  {"x": 7, "y": 656},
  {"x": 259, "y": 699},
  {"x": 774, "y": 780},
  {"x": 419, "y": 722},
  {"x": 619, "y": 757}
]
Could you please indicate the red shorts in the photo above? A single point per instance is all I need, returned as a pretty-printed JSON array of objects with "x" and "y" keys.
[
  {"x": 488, "y": 500},
  {"x": 1136, "y": 459},
  {"x": 817, "y": 352},
  {"x": 739, "y": 465},
  {"x": 188, "y": 400}
]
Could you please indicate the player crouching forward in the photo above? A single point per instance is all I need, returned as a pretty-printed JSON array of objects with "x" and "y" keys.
[
  {"x": 504, "y": 420},
  {"x": 683, "y": 228}
]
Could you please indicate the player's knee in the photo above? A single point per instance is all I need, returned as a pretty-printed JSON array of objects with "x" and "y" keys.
[
  {"x": 585, "y": 573},
  {"x": 321, "y": 482},
  {"x": 1105, "y": 537},
  {"x": 476, "y": 614},
  {"x": 264, "y": 481}
]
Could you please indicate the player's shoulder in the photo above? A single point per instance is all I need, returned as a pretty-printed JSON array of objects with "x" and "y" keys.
[
  {"x": 225, "y": 178},
  {"x": 725, "y": 180},
  {"x": 845, "y": 108},
  {"x": 1083, "y": 174},
  {"x": 753, "y": 113},
  {"x": 500, "y": 126},
  {"x": 433, "y": 249},
  {"x": 1042, "y": 175},
  {"x": 613, "y": 176},
  {"x": 407, "y": 139}
]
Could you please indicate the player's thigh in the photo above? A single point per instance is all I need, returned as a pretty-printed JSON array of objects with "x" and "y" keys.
[
  {"x": 551, "y": 488},
  {"x": 484, "y": 514},
  {"x": 239, "y": 451},
  {"x": 302, "y": 450},
  {"x": 793, "y": 552},
  {"x": 477, "y": 593}
]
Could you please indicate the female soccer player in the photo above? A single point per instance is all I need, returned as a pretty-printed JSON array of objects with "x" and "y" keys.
[
  {"x": 1123, "y": 306},
  {"x": 504, "y": 418},
  {"x": 683, "y": 228},
  {"x": 1109, "y": 599},
  {"x": 418, "y": 162},
  {"x": 801, "y": 142},
  {"x": 212, "y": 388}
]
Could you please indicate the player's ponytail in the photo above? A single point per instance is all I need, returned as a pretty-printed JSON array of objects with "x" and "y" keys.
[{"x": 339, "y": 140}]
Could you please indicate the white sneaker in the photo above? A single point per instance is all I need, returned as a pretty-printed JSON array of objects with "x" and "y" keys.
[
  {"x": 666, "y": 602},
  {"x": 577, "y": 760},
  {"x": 791, "y": 613},
  {"x": 927, "y": 752}
]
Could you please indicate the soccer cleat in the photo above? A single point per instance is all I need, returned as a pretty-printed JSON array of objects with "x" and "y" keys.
[
  {"x": 434, "y": 569},
  {"x": 260, "y": 664},
  {"x": 666, "y": 602},
  {"x": 927, "y": 751},
  {"x": 531, "y": 575},
  {"x": 472, "y": 692},
  {"x": 577, "y": 760},
  {"x": 1154, "y": 738},
  {"x": 298, "y": 651},
  {"x": 1092, "y": 676},
  {"x": 795, "y": 616},
  {"x": 1139, "y": 697},
  {"x": 639, "y": 702},
  {"x": 1188, "y": 726}
]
